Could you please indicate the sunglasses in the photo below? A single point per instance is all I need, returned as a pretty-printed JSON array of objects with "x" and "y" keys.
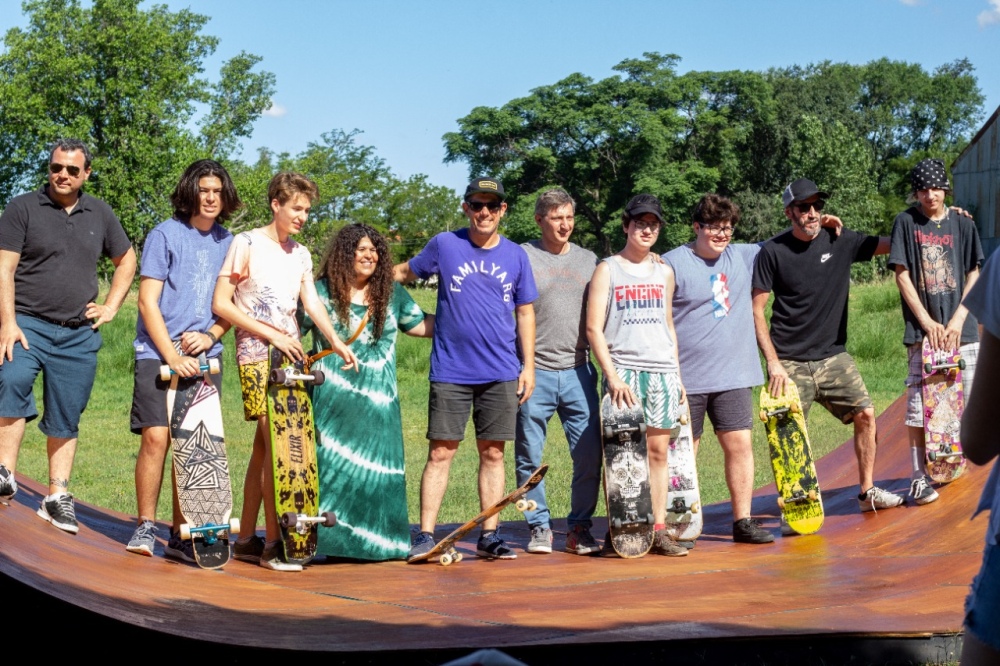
[
  {"x": 804, "y": 207},
  {"x": 56, "y": 168},
  {"x": 477, "y": 206}
]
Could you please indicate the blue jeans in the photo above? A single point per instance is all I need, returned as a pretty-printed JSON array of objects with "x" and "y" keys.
[{"x": 572, "y": 394}]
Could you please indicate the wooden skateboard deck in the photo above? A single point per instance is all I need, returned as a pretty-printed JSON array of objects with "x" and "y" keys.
[
  {"x": 201, "y": 469},
  {"x": 944, "y": 403},
  {"x": 444, "y": 550},
  {"x": 684, "y": 517},
  {"x": 626, "y": 479},
  {"x": 293, "y": 456},
  {"x": 799, "y": 496}
]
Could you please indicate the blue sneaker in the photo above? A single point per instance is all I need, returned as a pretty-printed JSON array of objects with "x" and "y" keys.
[
  {"x": 492, "y": 547},
  {"x": 422, "y": 544}
]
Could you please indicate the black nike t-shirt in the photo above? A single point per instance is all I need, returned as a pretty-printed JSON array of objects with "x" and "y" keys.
[{"x": 810, "y": 281}]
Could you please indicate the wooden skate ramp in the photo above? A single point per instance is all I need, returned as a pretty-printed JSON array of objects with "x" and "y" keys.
[{"x": 898, "y": 573}]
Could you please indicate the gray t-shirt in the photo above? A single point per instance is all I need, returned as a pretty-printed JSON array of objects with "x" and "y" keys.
[
  {"x": 713, "y": 317},
  {"x": 560, "y": 320},
  {"x": 636, "y": 326}
]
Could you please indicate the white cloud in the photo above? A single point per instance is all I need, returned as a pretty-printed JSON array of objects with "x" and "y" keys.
[
  {"x": 990, "y": 16},
  {"x": 276, "y": 110}
]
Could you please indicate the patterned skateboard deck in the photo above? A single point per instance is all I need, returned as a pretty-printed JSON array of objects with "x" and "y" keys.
[
  {"x": 684, "y": 517},
  {"x": 444, "y": 550},
  {"x": 201, "y": 469},
  {"x": 626, "y": 479},
  {"x": 799, "y": 496},
  {"x": 944, "y": 403},
  {"x": 293, "y": 456}
]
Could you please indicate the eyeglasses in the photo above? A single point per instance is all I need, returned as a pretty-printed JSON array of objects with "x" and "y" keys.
[
  {"x": 804, "y": 207},
  {"x": 71, "y": 169},
  {"x": 716, "y": 230},
  {"x": 477, "y": 206},
  {"x": 642, "y": 225}
]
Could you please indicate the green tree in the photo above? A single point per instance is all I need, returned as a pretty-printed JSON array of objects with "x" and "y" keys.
[{"x": 128, "y": 82}]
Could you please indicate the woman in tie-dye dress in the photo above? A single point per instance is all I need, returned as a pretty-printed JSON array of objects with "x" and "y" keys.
[{"x": 358, "y": 424}]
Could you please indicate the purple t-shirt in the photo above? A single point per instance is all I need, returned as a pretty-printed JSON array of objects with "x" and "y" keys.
[
  {"x": 187, "y": 261},
  {"x": 474, "y": 329}
]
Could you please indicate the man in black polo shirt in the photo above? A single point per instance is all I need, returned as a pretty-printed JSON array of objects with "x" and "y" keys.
[
  {"x": 808, "y": 268},
  {"x": 50, "y": 243}
]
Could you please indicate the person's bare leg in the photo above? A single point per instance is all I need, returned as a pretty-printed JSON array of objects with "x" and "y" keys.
[
  {"x": 738, "y": 454},
  {"x": 62, "y": 451},
  {"x": 252, "y": 494},
  {"x": 657, "y": 444},
  {"x": 434, "y": 481},
  {"x": 491, "y": 477},
  {"x": 11, "y": 436},
  {"x": 149, "y": 470},
  {"x": 864, "y": 446}
]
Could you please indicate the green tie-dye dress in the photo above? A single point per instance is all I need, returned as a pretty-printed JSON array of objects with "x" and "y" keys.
[{"x": 359, "y": 435}]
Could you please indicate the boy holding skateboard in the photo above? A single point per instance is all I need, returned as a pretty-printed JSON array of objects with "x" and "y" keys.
[
  {"x": 631, "y": 331},
  {"x": 263, "y": 277},
  {"x": 936, "y": 255},
  {"x": 180, "y": 263}
]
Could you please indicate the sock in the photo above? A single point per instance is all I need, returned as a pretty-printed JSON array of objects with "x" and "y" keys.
[
  {"x": 659, "y": 526},
  {"x": 917, "y": 454}
]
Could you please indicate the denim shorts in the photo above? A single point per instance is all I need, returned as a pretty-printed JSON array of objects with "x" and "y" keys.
[{"x": 67, "y": 359}]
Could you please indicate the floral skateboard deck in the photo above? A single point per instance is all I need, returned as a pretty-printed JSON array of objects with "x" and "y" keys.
[{"x": 944, "y": 403}]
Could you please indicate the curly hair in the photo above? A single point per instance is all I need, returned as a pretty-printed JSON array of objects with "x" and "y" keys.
[
  {"x": 337, "y": 267},
  {"x": 714, "y": 208}
]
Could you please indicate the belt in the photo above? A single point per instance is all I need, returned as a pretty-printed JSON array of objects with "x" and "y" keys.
[{"x": 69, "y": 323}]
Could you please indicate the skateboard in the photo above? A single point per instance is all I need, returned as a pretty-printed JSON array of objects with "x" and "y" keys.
[
  {"x": 201, "y": 470},
  {"x": 626, "y": 479},
  {"x": 444, "y": 550},
  {"x": 799, "y": 496},
  {"x": 293, "y": 455},
  {"x": 944, "y": 402},
  {"x": 684, "y": 518}
]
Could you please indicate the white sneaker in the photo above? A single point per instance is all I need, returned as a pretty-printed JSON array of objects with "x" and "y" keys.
[
  {"x": 876, "y": 498},
  {"x": 272, "y": 559}
]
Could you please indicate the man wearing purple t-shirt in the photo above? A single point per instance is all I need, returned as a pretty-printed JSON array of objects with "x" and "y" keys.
[{"x": 483, "y": 279}]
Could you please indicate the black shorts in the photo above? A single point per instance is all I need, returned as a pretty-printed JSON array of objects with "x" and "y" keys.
[
  {"x": 494, "y": 410},
  {"x": 149, "y": 394},
  {"x": 727, "y": 410}
]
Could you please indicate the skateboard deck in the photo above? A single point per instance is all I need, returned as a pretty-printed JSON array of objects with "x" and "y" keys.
[
  {"x": 944, "y": 403},
  {"x": 200, "y": 466},
  {"x": 684, "y": 517},
  {"x": 293, "y": 456},
  {"x": 799, "y": 496},
  {"x": 444, "y": 550},
  {"x": 626, "y": 479}
]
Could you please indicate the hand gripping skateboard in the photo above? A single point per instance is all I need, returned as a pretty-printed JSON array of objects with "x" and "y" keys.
[
  {"x": 944, "y": 403},
  {"x": 626, "y": 479},
  {"x": 799, "y": 496},
  {"x": 684, "y": 518},
  {"x": 201, "y": 470},
  {"x": 444, "y": 550},
  {"x": 293, "y": 455}
]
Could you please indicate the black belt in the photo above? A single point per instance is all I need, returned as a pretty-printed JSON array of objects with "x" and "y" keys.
[{"x": 69, "y": 323}]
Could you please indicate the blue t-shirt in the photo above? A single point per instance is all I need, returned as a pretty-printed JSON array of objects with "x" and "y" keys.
[
  {"x": 187, "y": 261},
  {"x": 474, "y": 329},
  {"x": 713, "y": 317}
]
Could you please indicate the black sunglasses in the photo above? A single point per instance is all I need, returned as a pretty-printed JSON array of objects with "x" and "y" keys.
[
  {"x": 477, "y": 206},
  {"x": 71, "y": 169},
  {"x": 804, "y": 207}
]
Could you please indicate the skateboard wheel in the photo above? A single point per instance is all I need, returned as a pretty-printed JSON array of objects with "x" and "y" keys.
[
  {"x": 213, "y": 366},
  {"x": 795, "y": 408},
  {"x": 928, "y": 369},
  {"x": 609, "y": 433},
  {"x": 616, "y": 523},
  {"x": 763, "y": 416},
  {"x": 185, "y": 531},
  {"x": 329, "y": 519},
  {"x": 277, "y": 376},
  {"x": 650, "y": 520},
  {"x": 457, "y": 557},
  {"x": 445, "y": 559},
  {"x": 781, "y": 502},
  {"x": 289, "y": 519},
  {"x": 165, "y": 373},
  {"x": 521, "y": 505},
  {"x": 961, "y": 364},
  {"x": 683, "y": 419},
  {"x": 234, "y": 526},
  {"x": 642, "y": 428},
  {"x": 318, "y": 377},
  {"x": 813, "y": 494},
  {"x": 532, "y": 505},
  {"x": 696, "y": 507},
  {"x": 932, "y": 456}
]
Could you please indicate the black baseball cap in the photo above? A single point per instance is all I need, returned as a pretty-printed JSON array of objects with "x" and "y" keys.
[
  {"x": 641, "y": 204},
  {"x": 803, "y": 188},
  {"x": 485, "y": 186}
]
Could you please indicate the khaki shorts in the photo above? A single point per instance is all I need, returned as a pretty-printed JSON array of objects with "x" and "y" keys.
[
  {"x": 833, "y": 382},
  {"x": 253, "y": 381}
]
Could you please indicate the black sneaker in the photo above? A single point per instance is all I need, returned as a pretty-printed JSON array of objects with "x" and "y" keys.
[
  {"x": 748, "y": 530},
  {"x": 8, "y": 486},
  {"x": 492, "y": 547},
  {"x": 58, "y": 510},
  {"x": 422, "y": 544},
  {"x": 178, "y": 548},
  {"x": 608, "y": 549}
]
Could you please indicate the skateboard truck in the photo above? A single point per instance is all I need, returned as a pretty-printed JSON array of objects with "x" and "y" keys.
[
  {"x": 934, "y": 456},
  {"x": 210, "y": 533},
  {"x": 680, "y": 506},
  {"x": 303, "y": 523},
  {"x": 288, "y": 376},
  {"x": 212, "y": 368}
]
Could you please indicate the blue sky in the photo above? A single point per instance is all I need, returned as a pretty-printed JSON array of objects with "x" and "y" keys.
[{"x": 404, "y": 71}]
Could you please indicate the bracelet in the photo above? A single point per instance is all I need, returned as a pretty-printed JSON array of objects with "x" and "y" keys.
[{"x": 212, "y": 336}]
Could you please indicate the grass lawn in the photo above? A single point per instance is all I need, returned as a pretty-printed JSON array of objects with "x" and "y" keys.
[{"x": 105, "y": 462}]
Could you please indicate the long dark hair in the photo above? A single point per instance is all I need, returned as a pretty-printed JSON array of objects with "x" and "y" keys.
[
  {"x": 338, "y": 269},
  {"x": 185, "y": 195}
]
